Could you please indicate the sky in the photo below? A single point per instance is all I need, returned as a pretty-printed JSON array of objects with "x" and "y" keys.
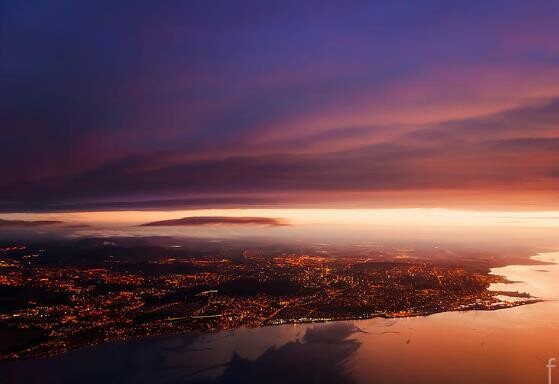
[{"x": 185, "y": 105}]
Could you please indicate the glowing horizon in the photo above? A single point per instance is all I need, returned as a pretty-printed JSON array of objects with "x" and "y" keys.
[{"x": 295, "y": 217}]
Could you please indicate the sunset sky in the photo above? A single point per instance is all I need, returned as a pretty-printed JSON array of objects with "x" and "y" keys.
[{"x": 271, "y": 108}]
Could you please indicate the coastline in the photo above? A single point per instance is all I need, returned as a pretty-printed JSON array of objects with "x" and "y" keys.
[{"x": 514, "y": 299}]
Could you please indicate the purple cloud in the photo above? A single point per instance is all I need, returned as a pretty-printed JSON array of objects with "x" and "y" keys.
[{"x": 226, "y": 104}]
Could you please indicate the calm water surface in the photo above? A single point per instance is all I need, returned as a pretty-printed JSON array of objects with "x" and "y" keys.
[{"x": 505, "y": 346}]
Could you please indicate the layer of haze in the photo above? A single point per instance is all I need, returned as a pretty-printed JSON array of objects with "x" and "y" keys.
[{"x": 318, "y": 225}]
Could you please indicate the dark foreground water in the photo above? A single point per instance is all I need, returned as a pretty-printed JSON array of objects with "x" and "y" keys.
[{"x": 505, "y": 346}]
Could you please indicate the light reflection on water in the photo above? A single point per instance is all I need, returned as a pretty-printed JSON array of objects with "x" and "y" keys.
[
  {"x": 504, "y": 346},
  {"x": 537, "y": 280}
]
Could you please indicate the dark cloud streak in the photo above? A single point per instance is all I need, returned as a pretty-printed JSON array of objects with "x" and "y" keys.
[
  {"x": 468, "y": 159},
  {"x": 27, "y": 224},
  {"x": 217, "y": 220}
]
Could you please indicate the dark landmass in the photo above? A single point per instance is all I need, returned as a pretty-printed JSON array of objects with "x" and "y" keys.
[
  {"x": 523, "y": 295},
  {"x": 63, "y": 295},
  {"x": 24, "y": 223},
  {"x": 215, "y": 220}
]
